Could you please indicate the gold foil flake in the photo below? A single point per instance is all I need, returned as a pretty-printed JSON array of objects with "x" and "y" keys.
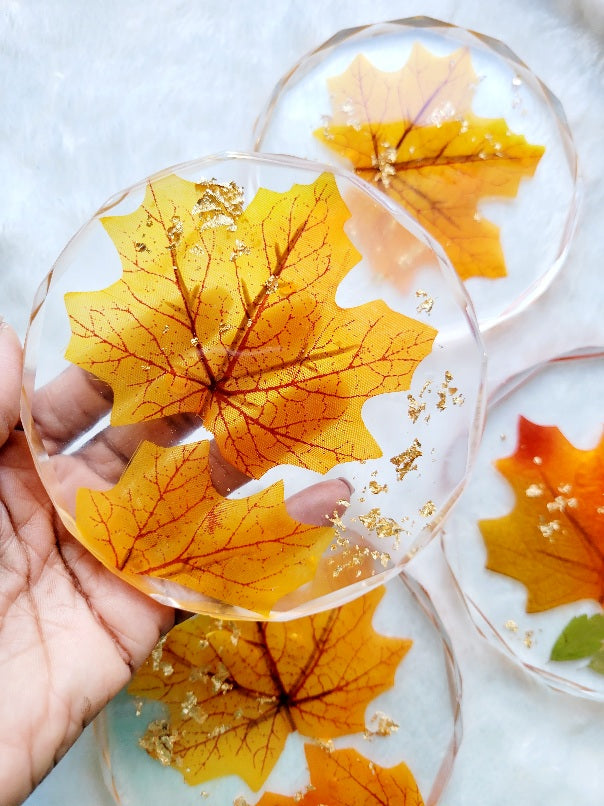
[
  {"x": 199, "y": 673},
  {"x": 376, "y": 488},
  {"x": 240, "y": 249},
  {"x": 140, "y": 246},
  {"x": 343, "y": 503},
  {"x": 219, "y": 680},
  {"x": 264, "y": 699},
  {"x": 428, "y": 509},
  {"x": 235, "y": 633},
  {"x": 224, "y": 327},
  {"x": 156, "y": 653},
  {"x": 511, "y": 625},
  {"x": 534, "y": 490},
  {"x": 189, "y": 708},
  {"x": 415, "y": 408},
  {"x": 427, "y": 302},
  {"x": 549, "y": 529},
  {"x": 384, "y": 163},
  {"x": 565, "y": 489},
  {"x": 386, "y": 726},
  {"x": 557, "y": 505},
  {"x": 272, "y": 285},
  {"x": 241, "y": 801},
  {"x": 146, "y": 367},
  {"x": 336, "y": 521},
  {"x": 149, "y": 221},
  {"x": 456, "y": 396},
  {"x": 381, "y": 525},
  {"x": 138, "y": 706},
  {"x": 166, "y": 669},
  {"x": 529, "y": 639},
  {"x": 204, "y": 643},
  {"x": 165, "y": 330},
  {"x": 219, "y": 205},
  {"x": 299, "y": 796},
  {"x": 158, "y": 740},
  {"x": 406, "y": 461},
  {"x": 537, "y": 460},
  {"x": 326, "y": 745},
  {"x": 194, "y": 341},
  {"x": 174, "y": 232}
]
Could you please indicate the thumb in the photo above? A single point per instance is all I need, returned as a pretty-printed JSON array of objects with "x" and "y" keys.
[{"x": 11, "y": 361}]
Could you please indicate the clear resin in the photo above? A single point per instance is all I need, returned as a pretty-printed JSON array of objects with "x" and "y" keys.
[
  {"x": 230, "y": 402},
  {"x": 454, "y": 127}
]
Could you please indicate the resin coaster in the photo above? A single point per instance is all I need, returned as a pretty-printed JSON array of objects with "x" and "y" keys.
[
  {"x": 526, "y": 544},
  {"x": 367, "y": 695},
  {"x": 232, "y": 407},
  {"x": 455, "y": 128}
]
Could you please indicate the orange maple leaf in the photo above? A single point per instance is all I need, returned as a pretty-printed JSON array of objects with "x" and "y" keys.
[
  {"x": 232, "y": 316},
  {"x": 234, "y": 692},
  {"x": 553, "y": 540},
  {"x": 345, "y": 777},
  {"x": 165, "y": 519},
  {"x": 413, "y": 133}
]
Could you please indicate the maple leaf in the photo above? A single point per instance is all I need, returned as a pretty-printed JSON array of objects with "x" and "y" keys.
[
  {"x": 413, "y": 133},
  {"x": 345, "y": 777},
  {"x": 232, "y": 316},
  {"x": 165, "y": 519},
  {"x": 235, "y": 694},
  {"x": 553, "y": 539}
]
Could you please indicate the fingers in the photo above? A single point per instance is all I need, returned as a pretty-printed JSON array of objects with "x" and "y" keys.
[
  {"x": 68, "y": 406},
  {"x": 317, "y": 504},
  {"x": 11, "y": 364}
]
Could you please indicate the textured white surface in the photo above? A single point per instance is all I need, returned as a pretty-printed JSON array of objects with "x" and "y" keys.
[{"x": 97, "y": 95}]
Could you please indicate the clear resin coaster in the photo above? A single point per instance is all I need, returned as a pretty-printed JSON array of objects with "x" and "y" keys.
[
  {"x": 361, "y": 699},
  {"x": 455, "y": 128},
  {"x": 230, "y": 405},
  {"x": 526, "y": 545}
]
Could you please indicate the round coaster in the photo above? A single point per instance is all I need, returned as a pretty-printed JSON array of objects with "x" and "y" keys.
[
  {"x": 229, "y": 405},
  {"x": 194, "y": 728},
  {"x": 454, "y": 127},
  {"x": 527, "y": 541}
]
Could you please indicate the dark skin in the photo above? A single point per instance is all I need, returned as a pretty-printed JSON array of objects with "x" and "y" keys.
[{"x": 71, "y": 632}]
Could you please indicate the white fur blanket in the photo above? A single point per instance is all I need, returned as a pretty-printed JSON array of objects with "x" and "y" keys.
[{"x": 97, "y": 95}]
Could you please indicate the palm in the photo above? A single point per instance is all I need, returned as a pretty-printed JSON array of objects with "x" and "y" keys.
[{"x": 70, "y": 632}]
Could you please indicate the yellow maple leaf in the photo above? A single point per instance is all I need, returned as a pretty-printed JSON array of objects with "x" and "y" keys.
[
  {"x": 413, "y": 133},
  {"x": 346, "y": 778},
  {"x": 231, "y": 315},
  {"x": 164, "y": 519},
  {"x": 235, "y": 692}
]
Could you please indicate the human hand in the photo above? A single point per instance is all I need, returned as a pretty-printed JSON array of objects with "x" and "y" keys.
[{"x": 71, "y": 632}]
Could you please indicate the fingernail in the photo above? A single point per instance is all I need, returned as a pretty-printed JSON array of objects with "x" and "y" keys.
[{"x": 347, "y": 483}]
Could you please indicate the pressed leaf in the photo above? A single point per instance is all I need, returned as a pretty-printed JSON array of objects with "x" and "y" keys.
[
  {"x": 165, "y": 519},
  {"x": 413, "y": 132},
  {"x": 553, "y": 539},
  {"x": 232, "y": 316},
  {"x": 345, "y": 777},
  {"x": 235, "y": 692},
  {"x": 582, "y": 637}
]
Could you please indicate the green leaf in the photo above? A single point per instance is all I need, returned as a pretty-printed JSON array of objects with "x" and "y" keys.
[
  {"x": 597, "y": 662},
  {"x": 582, "y": 637}
]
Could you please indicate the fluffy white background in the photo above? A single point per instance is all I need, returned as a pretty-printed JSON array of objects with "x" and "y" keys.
[{"x": 97, "y": 95}]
